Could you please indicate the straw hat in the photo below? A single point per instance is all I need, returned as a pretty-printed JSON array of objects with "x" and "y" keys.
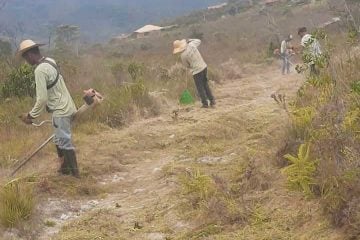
[
  {"x": 26, "y": 45},
  {"x": 179, "y": 46}
]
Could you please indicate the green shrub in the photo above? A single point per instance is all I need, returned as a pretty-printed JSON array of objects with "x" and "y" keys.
[
  {"x": 353, "y": 36},
  {"x": 300, "y": 172},
  {"x": 136, "y": 70},
  {"x": 355, "y": 87},
  {"x": 351, "y": 122},
  {"x": 20, "y": 83},
  {"x": 119, "y": 102},
  {"x": 200, "y": 187},
  {"x": 118, "y": 70},
  {"x": 16, "y": 203},
  {"x": 302, "y": 119}
]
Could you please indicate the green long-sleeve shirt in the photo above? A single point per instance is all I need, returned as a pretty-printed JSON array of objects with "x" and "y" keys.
[{"x": 57, "y": 98}]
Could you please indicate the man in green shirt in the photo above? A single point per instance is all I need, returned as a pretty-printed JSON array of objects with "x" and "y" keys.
[{"x": 52, "y": 95}]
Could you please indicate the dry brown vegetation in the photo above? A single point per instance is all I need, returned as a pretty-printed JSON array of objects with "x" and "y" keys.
[{"x": 225, "y": 174}]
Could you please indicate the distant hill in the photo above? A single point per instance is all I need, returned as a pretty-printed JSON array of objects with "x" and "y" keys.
[{"x": 98, "y": 19}]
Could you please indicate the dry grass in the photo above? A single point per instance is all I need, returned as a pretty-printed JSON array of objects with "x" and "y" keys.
[
  {"x": 16, "y": 202},
  {"x": 226, "y": 200}
]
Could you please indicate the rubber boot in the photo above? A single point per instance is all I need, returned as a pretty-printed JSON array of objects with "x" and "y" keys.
[
  {"x": 70, "y": 159},
  {"x": 64, "y": 169}
]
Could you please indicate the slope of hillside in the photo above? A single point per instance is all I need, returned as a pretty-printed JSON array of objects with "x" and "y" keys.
[
  {"x": 144, "y": 198},
  {"x": 154, "y": 170}
]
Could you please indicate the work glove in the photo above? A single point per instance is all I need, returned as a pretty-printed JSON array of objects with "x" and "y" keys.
[{"x": 26, "y": 118}]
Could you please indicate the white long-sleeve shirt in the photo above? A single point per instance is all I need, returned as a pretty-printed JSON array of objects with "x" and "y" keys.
[
  {"x": 284, "y": 47},
  {"x": 191, "y": 57},
  {"x": 57, "y": 98},
  {"x": 311, "y": 44}
]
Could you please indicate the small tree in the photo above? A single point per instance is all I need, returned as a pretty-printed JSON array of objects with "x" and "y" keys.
[{"x": 67, "y": 36}]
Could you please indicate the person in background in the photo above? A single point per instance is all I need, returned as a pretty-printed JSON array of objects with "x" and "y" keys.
[
  {"x": 192, "y": 59},
  {"x": 52, "y": 95},
  {"x": 311, "y": 48},
  {"x": 285, "y": 53}
]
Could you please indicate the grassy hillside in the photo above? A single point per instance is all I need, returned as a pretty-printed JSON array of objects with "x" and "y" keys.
[{"x": 250, "y": 169}]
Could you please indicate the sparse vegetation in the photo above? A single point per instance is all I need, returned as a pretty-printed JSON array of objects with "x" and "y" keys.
[
  {"x": 300, "y": 173},
  {"x": 16, "y": 202},
  {"x": 220, "y": 183},
  {"x": 326, "y": 115}
]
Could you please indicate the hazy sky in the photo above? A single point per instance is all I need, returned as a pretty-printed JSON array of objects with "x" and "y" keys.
[{"x": 98, "y": 19}]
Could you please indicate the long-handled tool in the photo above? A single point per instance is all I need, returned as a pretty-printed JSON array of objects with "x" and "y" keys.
[{"x": 91, "y": 98}]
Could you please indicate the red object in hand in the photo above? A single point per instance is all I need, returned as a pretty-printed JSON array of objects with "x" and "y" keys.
[{"x": 91, "y": 95}]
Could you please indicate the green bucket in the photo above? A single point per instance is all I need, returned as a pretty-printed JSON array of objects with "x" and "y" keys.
[{"x": 186, "y": 98}]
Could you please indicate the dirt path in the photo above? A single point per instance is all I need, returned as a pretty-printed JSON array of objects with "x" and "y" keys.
[
  {"x": 137, "y": 150},
  {"x": 129, "y": 163}
]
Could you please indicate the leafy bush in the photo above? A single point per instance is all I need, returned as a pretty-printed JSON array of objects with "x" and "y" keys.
[
  {"x": 355, "y": 87},
  {"x": 16, "y": 203},
  {"x": 121, "y": 101},
  {"x": 136, "y": 70},
  {"x": 302, "y": 119},
  {"x": 300, "y": 172},
  {"x": 20, "y": 83},
  {"x": 199, "y": 186},
  {"x": 352, "y": 121},
  {"x": 119, "y": 71}
]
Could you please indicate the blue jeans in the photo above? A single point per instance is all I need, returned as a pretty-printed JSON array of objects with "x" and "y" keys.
[
  {"x": 286, "y": 63},
  {"x": 62, "y": 132}
]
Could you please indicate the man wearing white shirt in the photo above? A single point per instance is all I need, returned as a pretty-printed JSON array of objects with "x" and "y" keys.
[
  {"x": 285, "y": 52},
  {"x": 310, "y": 47},
  {"x": 192, "y": 59}
]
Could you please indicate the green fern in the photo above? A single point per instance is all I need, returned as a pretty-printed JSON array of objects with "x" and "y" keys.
[
  {"x": 198, "y": 185},
  {"x": 302, "y": 119},
  {"x": 300, "y": 173}
]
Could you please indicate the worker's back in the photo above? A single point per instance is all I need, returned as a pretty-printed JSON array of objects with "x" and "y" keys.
[
  {"x": 59, "y": 100},
  {"x": 192, "y": 58}
]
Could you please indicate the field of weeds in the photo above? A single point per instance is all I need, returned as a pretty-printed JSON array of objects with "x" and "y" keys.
[{"x": 227, "y": 174}]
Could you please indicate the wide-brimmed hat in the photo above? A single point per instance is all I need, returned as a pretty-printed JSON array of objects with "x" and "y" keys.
[
  {"x": 179, "y": 46},
  {"x": 26, "y": 45}
]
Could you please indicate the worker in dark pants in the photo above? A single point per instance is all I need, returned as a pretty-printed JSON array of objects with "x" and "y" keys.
[
  {"x": 192, "y": 59},
  {"x": 52, "y": 95}
]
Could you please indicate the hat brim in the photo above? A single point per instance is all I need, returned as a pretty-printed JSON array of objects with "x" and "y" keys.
[
  {"x": 22, "y": 51},
  {"x": 180, "y": 48}
]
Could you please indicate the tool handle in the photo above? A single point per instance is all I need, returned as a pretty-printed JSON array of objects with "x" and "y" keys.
[{"x": 41, "y": 123}]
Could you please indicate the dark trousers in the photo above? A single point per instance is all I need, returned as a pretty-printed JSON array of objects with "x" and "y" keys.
[
  {"x": 203, "y": 88},
  {"x": 314, "y": 71}
]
